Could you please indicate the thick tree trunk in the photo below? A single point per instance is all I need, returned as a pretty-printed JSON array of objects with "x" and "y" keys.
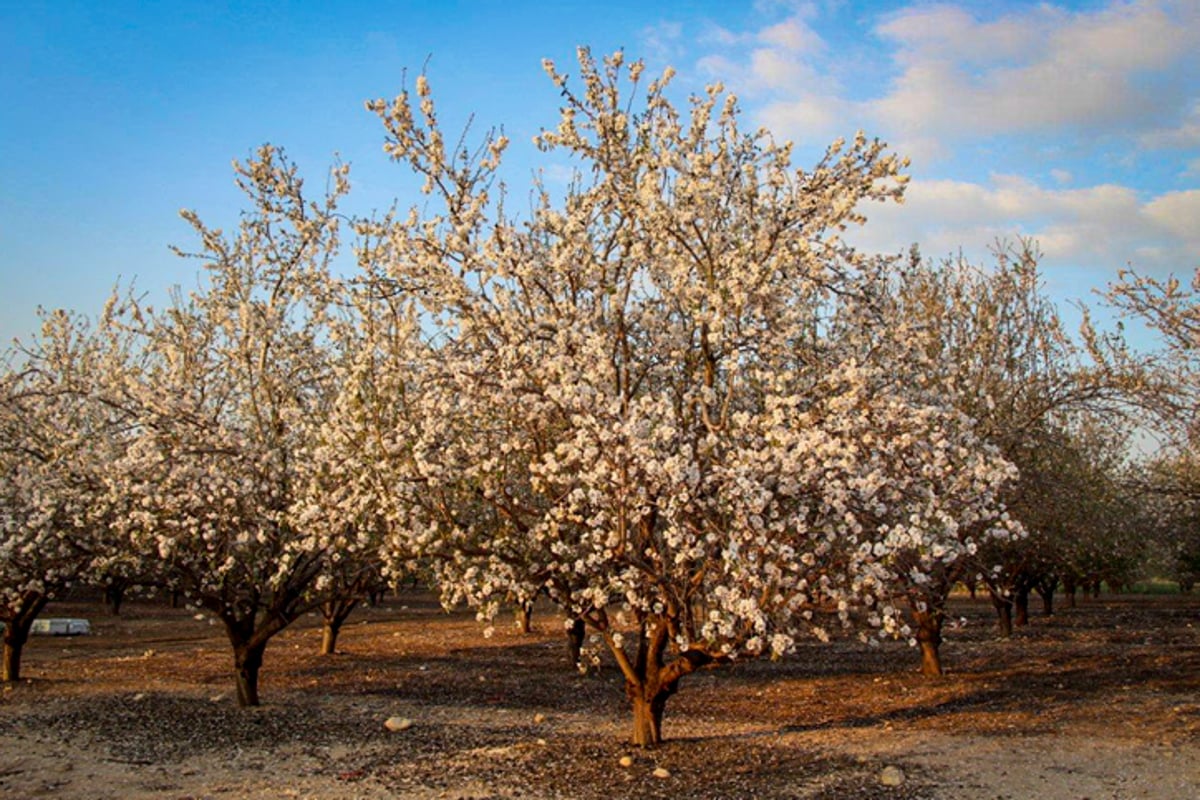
[
  {"x": 575, "y": 634},
  {"x": 1070, "y": 586},
  {"x": 649, "y": 681},
  {"x": 929, "y": 638},
  {"x": 247, "y": 660},
  {"x": 647, "y": 716}
]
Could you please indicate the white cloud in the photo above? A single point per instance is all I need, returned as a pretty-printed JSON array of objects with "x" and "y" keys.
[
  {"x": 1179, "y": 213},
  {"x": 950, "y": 33},
  {"x": 1102, "y": 227},
  {"x": 1034, "y": 71},
  {"x": 1077, "y": 97},
  {"x": 795, "y": 35},
  {"x": 955, "y": 76},
  {"x": 1183, "y": 135},
  {"x": 810, "y": 119},
  {"x": 718, "y": 35}
]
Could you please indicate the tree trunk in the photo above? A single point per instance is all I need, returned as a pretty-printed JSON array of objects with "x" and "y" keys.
[
  {"x": 1046, "y": 592},
  {"x": 647, "y": 715},
  {"x": 247, "y": 660},
  {"x": 1004, "y": 609},
  {"x": 575, "y": 634},
  {"x": 1070, "y": 586},
  {"x": 335, "y": 613},
  {"x": 929, "y": 637},
  {"x": 16, "y": 634},
  {"x": 329, "y": 637},
  {"x": 525, "y": 617},
  {"x": 14, "y": 642},
  {"x": 114, "y": 595},
  {"x": 1021, "y": 607}
]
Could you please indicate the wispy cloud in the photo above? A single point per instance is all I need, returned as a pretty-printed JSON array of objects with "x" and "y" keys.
[{"x": 662, "y": 42}]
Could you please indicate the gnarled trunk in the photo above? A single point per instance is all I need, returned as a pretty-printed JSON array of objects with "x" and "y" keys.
[
  {"x": 248, "y": 635},
  {"x": 649, "y": 681}
]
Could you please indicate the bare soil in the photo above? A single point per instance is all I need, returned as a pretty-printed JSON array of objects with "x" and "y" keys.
[{"x": 1096, "y": 702}]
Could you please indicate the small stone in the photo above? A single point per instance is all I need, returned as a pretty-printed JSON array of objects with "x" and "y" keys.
[
  {"x": 538, "y": 719},
  {"x": 395, "y": 724},
  {"x": 661, "y": 772},
  {"x": 626, "y": 761},
  {"x": 891, "y": 776}
]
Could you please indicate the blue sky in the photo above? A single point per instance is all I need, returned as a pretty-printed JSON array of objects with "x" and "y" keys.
[{"x": 1076, "y": 123}]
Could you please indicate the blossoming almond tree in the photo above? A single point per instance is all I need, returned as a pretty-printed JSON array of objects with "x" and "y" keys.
[
  {"x": 56, "y": 444},
  {"x": 345, "y": 486},
  {"x": 237, "y": 387},
  {"x": 996, "y": 350},
  {"x": 635, "y": 397},
  {"x": 1170, "y": 307}
]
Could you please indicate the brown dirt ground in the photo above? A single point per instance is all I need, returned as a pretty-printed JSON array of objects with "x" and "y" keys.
[{"x": 1096, "y": 702}]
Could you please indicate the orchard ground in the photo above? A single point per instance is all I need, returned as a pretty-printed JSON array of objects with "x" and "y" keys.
[{"x": 1100, "y": 701}]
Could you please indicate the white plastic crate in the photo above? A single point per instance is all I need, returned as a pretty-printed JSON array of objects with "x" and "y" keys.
[{"x": 61, "y": 626}]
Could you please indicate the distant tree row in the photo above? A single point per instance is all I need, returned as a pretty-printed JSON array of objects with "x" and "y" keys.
[{"x": 670, "y": 398}]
